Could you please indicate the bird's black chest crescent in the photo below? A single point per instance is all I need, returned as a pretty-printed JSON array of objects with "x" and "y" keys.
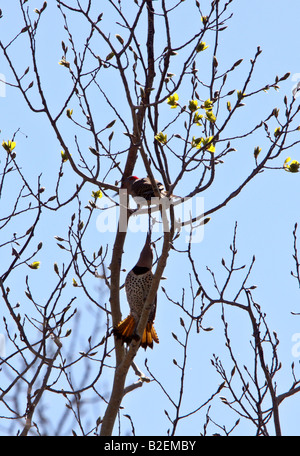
[{"x": 139, "y": 270}]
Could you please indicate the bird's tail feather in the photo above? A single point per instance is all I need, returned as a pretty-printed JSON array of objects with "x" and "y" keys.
[
  {"x": 125, "y": 330},
  {"x": 149, "y": 336}
]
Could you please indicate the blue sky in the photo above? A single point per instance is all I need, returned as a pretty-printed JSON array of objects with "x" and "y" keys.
[{"x": 265, "y": 211}]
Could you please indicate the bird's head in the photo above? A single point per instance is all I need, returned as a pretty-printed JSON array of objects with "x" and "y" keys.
[
  {"x": 146, "y": 256},
  {"x": 127, "y": 183}
]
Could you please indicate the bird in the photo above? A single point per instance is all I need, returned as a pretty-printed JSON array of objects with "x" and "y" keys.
[
  {"x": 137, "y": 286},
  {"x": 142, "y": 188}
]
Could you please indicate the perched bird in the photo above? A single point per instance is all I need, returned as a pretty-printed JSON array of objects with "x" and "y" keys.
[
  {"x": 142, "y": 188},
  {"x": 137, "y": 286}
]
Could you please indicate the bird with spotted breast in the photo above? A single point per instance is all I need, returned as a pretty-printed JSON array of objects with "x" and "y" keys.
[{"x": 137, "y": 286}]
